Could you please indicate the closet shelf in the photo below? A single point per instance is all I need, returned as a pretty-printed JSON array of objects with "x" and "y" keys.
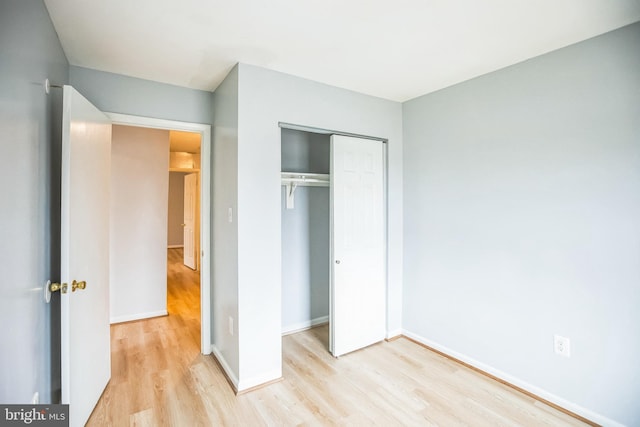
[
  {"x": 305, "y": 179},
  {"x": 293, "y": 180}
]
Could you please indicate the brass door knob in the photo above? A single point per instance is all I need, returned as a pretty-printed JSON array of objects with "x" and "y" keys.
[
  {"x": 55, "y": 287},
  {"x": 78, "y": 285}
]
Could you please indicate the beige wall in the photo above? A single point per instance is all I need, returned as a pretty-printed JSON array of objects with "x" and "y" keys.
[{"x": 139, "y": 199}]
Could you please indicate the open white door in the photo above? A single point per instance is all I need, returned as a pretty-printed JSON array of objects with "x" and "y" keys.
[
  {"x": 190, "y": 215},
  {"x": 86, "y": 161},
  {"x": 358, "y": 286}
]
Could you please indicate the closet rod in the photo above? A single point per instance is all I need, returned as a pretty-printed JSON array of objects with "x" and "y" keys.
[
  {"x": 311, "y": 179},
  {"x": 312, "y": 129},
  {"x": 293, "y": 180}
]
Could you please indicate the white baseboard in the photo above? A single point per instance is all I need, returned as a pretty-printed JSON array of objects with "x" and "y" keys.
[
  {"x": 247, "y": 384},
  {"x": 175, "y": 246},
  {"x": 563, "y": 403},
  {"x": 241, "y": 385},
  {"x": 138, "y": 316},
  {"x": 231, "y": 376},
  {"x": 303, "y": 326},
  {"x": 395, "y": 333}
]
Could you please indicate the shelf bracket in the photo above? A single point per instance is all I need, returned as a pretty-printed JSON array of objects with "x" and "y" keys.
[{"x": 291, "y": 189}]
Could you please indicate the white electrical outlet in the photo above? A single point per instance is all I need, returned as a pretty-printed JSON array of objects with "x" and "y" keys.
[
  {"x": 562, "y": 345},
  {"x": 35, "y": 399},
  {"x": 230, "y": 325}
]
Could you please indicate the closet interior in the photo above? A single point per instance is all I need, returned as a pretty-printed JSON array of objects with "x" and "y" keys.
[{"x": 305, "y": 207}]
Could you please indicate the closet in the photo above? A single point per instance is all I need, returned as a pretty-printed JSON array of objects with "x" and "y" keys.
[
  {"x": 305, "y": 160},
  {"x": 333, "y": 237}
]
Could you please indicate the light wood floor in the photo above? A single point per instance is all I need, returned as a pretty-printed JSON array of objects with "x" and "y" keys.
[{"x": 160, "y": 378}]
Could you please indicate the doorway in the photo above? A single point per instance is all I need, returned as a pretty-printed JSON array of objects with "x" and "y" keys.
[
  {"x": 203, "y": 252},
  {"x": 333, "y": 237},
  {"x": 183, "y": 217},
  {"x": 305, "y": 233}
]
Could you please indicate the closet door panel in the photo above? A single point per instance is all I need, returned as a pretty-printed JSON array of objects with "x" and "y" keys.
[{"x": 358, "y": 289}]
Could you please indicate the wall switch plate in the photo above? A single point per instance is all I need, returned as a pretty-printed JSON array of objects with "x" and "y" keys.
[
  {"x": 562, "y": 345},
  {"x": 230, "y": 325},
  {"x": 230, "y": 214}
]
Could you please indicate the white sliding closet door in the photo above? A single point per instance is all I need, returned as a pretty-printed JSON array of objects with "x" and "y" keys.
[{"x": 358, "y": 288}]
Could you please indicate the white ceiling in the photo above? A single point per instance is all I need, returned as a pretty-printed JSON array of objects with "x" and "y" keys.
[{"x": 392, "y": 49}]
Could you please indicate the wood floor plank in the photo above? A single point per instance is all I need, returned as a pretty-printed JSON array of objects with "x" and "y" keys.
[{"x": 159, "y": 378}]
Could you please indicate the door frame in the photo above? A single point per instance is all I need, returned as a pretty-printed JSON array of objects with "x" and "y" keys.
[{"x": 205, "y": 206}]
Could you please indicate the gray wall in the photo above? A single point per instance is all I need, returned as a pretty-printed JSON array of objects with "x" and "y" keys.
[
  {"x": 305, "y": 233},
  {"x": 266, "y": 98},
  {"x": 522, "y": 207},
  {"x": 116, "y": 93},
  {"x": 224, "y": 295},
  {"x": 175, "y": 214},
  {"x": 305, "y": 151},
  {"x": 30, "y": 212}
]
